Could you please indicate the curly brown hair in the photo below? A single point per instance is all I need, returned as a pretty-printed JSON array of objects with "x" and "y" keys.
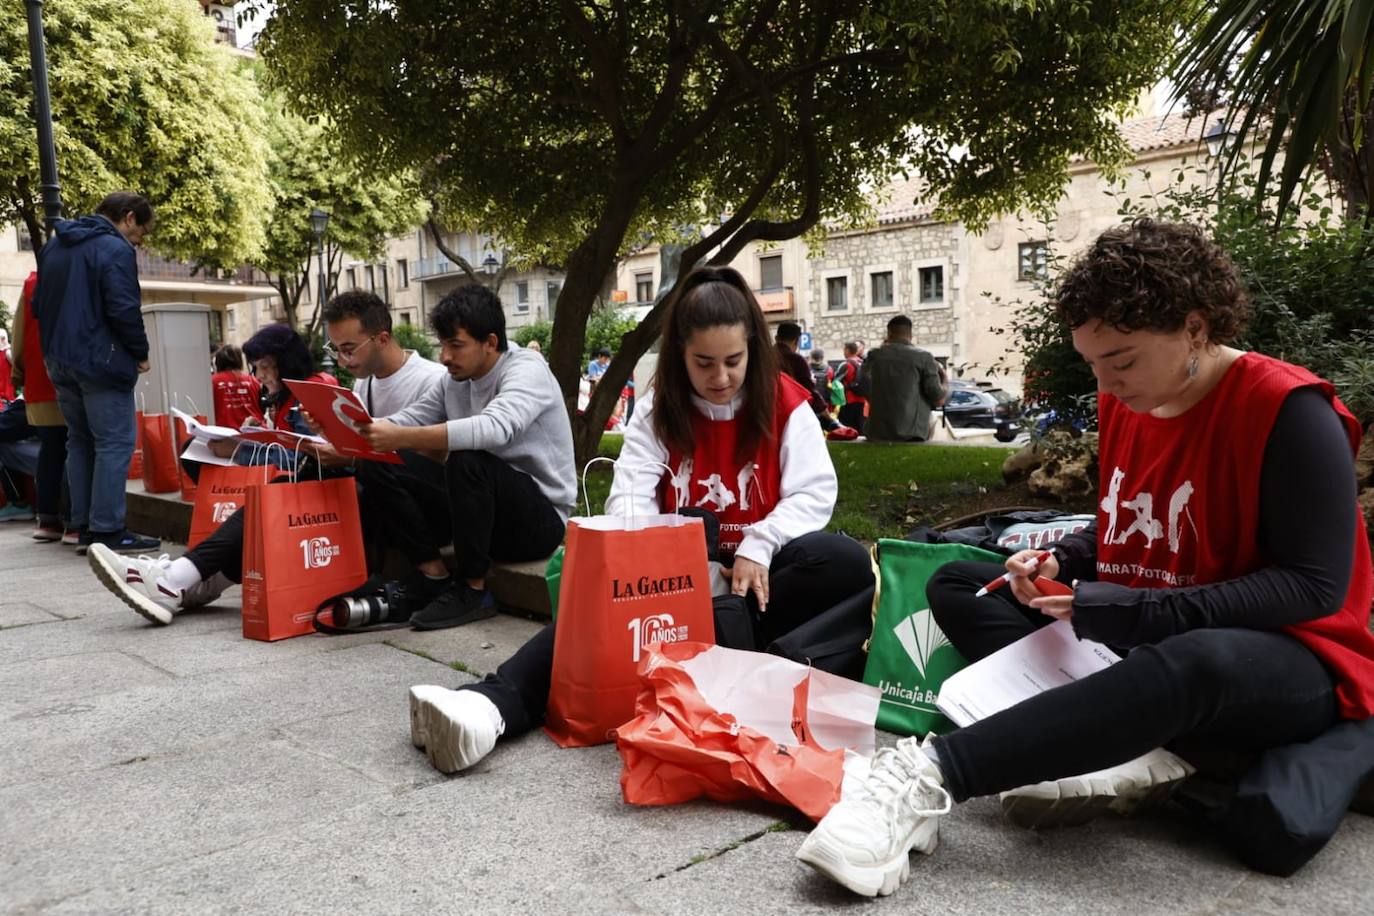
[{"x": 1149, "y": 275}]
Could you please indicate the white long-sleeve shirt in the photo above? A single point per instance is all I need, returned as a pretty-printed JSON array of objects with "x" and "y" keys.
[{"x": 806, "y": 495}]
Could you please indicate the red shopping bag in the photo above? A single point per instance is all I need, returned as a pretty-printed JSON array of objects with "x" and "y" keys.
[
  {"x": 188, "y": 486},
  {"x": 733, "y": 725},
  {"x": 160, "y": 474},
  {"x": 303, "y": 542},
  {"x": 220, "y": 494},
  {"x": 136, "y": 462},
  {"x": 626, "y": 583}
]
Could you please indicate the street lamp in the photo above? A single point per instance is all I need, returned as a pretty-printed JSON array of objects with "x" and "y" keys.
[
  {"x": 319, "y": 224},
  {"x": 490, "y": 265}
]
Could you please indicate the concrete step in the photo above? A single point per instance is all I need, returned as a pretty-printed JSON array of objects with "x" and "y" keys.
[{"x": 518, "y": 587}]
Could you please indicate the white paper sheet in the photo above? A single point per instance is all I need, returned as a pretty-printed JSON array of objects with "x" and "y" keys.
[{"x": 1050, "y": 657}]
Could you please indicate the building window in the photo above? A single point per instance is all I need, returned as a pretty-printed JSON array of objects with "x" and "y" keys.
[
  {"x": 402, "y": 273},
  {"x": 386, "y": 285},
  {"x": 882, "y": 290},
  {"x": 233, "y": 319},
  {"x": 407, "y": 318},
  {"x": 1032, "y": 260},
  {"x": 932, "y": 282},
  {"x": 770, "y": 272},
  {"x": 352, "y": 273},
  {"x": 552, "y": 288},
  {"x": 644, "y": 287},
  {"x": 25, "y": 240},
  {"x": 522, "y": 296},
  {"x": 371, "y": 277},
  {"x": 836, "y": 294}
]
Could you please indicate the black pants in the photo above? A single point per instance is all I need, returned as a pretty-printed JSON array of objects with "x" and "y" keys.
[
  {"x": 51, "y": 479},
  {"x": 852, "y": 415},
  {"x": 807, "y": 577},
  {"x": 405, "y": 506},
  {"x": 498, "y": 513},
  {"x": 1231, "y": 688}
]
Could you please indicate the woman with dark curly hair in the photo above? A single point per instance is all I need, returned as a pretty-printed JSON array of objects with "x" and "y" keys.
[{"x": 1229, "y": 568}]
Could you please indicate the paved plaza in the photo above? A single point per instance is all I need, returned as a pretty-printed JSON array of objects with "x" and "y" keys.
[{"x": 184, "y": 769}]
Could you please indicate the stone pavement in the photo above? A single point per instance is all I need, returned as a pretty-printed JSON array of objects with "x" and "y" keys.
[{"x": 184, "y": 769}]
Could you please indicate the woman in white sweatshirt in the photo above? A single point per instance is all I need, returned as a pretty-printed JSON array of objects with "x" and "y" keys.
[{"x": 742, "y": 442}]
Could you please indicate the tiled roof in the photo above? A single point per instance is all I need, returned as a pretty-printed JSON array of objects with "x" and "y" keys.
[{"x": 898, "y": 199}]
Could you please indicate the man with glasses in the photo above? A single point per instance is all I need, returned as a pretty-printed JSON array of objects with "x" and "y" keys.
[
  {"x": 94, "y": 345},
  {"x": 403, "y": 506}
]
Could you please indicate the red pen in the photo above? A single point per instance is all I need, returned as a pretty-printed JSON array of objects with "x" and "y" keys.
[{"x": 1003, "y": 579}]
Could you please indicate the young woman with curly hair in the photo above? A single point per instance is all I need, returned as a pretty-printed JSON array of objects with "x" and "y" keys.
[{"x": 1229, "y": 568}]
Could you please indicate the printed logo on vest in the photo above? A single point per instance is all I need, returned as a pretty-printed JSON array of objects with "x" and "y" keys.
[{"x": 1144, "y": 523}]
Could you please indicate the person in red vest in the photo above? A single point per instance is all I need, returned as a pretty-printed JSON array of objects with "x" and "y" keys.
[
  {"x": 236, "y": 392},
  {"x": 40, "y": 402},
  {"x": 743, "y": 443},
  {"x": 1229, "y": 567}
]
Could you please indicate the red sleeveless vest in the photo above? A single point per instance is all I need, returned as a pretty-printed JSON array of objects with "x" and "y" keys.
[
  {"x": 1180, "y": 506},
  {"x": 711, "y": 478}
]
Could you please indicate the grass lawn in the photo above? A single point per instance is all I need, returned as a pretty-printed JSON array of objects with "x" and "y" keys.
[{"x": 885, "y": 490}]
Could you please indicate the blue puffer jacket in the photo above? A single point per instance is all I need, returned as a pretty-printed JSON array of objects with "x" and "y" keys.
[{"x": 87, "y": 302}]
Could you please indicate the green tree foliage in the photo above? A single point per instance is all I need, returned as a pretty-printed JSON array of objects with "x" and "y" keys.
[
  {"x": 1299, "y": 77},
  {"x": 1308, "y": 272},
  {"x": 574, "y": 131},
  {"x": 541, "y": 330},
  {"x": 606, "y": 327},
  {"x": 413, "y": 337},
  {"x": 309, "y": 170},
  {"x": 143, "y": 100}
]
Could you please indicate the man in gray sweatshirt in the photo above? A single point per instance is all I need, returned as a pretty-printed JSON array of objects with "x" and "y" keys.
[{"x": 500, "y": 417}]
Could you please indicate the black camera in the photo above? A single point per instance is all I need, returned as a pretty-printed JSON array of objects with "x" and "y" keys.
[{"x": 380, "y": 604}]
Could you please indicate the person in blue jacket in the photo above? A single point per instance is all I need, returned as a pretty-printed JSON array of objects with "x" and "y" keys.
[{"x": 94, "y": 345}]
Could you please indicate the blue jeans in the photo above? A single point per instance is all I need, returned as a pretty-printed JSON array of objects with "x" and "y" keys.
[{"x": 100, "y": 444}]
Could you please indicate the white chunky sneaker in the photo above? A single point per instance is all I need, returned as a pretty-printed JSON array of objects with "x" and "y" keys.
[
  {"x": 1141, "y": 783},
  {"x": 457, "y": 728},
  {"x": 865, "y": 841},
  {"x": 140, "y": 582}
]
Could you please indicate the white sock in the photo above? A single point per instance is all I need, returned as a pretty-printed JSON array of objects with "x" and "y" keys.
[{"x": 183, "y": 574}]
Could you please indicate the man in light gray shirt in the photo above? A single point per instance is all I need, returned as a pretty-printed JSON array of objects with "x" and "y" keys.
[
  {"x": 903, "y": 384},
  {"x": 500, "y": 417}
]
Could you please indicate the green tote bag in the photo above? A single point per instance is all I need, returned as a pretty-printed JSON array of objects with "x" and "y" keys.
[{"x": 908, "y": 655}]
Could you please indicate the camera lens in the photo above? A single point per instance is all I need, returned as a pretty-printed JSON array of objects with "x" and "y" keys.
[{"x": 351, "y": 613}]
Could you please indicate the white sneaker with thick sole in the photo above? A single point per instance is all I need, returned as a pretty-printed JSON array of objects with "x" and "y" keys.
[
  {"x": 1138, "y": 784},
  {"x": 140, "y": 582},
  {"x": 456, "y": 728},
  {"x": 865, "y": 841}
]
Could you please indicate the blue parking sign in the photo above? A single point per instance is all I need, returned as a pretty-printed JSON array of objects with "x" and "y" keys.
[{"x": 805, "y": 343}]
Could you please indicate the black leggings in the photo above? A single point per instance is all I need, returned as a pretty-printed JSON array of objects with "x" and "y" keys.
[
  {"x": 807, "y": 576},
  {"x": 1227, "y": 688}
]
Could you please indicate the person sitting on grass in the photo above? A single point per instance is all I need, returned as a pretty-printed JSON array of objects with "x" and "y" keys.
[
  {"x": 719, "y": 411},
  {"x": 1229, "y": 568}
]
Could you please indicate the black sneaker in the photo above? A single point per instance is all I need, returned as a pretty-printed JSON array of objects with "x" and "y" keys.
[
  {"x": 119, "y": 542},
  {"x": 456, "y": 605},
  {"x": 419, "y": 591}
]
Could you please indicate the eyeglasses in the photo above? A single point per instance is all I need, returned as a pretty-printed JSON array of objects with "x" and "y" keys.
[{"x": 349, "y": 354}]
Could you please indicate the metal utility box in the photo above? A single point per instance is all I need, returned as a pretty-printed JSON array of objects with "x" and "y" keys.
[{"x": 179, "y": 354}]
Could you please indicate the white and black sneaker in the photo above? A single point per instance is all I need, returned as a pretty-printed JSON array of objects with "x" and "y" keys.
[
  {"x": 865, "y": 841},
  {"x": 140, "y": 582},
  {"x": 1126, "y": 788},
  {"x": 456, "y": 728}
]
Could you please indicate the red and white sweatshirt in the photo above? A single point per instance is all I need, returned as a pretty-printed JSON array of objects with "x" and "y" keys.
[{"x": 787, "y": 490}]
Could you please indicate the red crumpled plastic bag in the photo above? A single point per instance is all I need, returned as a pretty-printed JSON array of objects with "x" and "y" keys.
[{"x": 733, "y": 725}]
